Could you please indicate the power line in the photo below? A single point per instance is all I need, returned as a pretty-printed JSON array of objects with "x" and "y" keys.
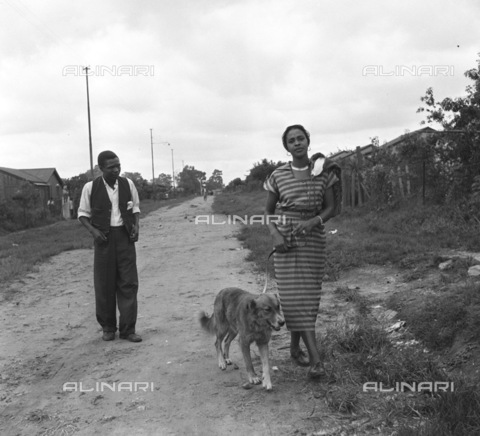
[{"x": 28, "y": 15}]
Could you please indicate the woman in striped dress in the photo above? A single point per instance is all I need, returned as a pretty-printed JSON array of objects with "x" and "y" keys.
[{"x": 307, "y": 192}]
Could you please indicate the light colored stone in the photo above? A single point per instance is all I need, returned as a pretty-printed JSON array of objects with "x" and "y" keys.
[
  {"x": 446, "y": 265},
  {"x": 474, "y": 271}
]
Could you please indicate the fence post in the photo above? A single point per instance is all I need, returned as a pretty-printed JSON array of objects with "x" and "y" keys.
[
  {"x": 345, "y": 188},
  {"x": 394, "y": 183},
  {"x": 407, "y": 173},
  {"x": 423, "y": 182},
  {"x": 352, "y": 189},
  {"x": 400, "y": 182},
  {"x": 359, "y": 167},
  {"x": 359, "y": 186}
]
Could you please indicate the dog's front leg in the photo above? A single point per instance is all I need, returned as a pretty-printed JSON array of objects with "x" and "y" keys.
[
  {"x": 252, "y": 377},
  {"x": 226, "y": 348},
  {"x": 267, "y": 383}
]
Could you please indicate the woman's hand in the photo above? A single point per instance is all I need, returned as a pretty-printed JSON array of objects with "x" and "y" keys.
[
  {"x": 304, "y": 227},
  {"x": 279, "y": 243}
]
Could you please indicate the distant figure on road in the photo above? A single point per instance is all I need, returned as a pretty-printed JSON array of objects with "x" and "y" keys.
[
  {"x": 307, "y": 193},
  {"x": 51, "y": 206},
  {"x": 70, "y": 207},
  {"x": 110, "y": 210}
]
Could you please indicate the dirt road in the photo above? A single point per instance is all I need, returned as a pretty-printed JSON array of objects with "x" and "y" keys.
[{"x": 59, "y": 378}]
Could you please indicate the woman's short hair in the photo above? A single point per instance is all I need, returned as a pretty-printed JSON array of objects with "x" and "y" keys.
[
  {"x": 104, "y": 156},
  {"x": 295, "y": 126}
]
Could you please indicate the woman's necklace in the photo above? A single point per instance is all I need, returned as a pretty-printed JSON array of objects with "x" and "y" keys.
[{"x": 300, "y": 169}]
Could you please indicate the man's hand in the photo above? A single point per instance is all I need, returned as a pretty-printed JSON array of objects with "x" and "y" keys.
[
  {"x": 134, "y": 233},
  {"x": 98, "y": 235}
]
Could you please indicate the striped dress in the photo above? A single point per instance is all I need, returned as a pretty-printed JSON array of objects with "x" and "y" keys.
[{"x": 299, "y": 271}]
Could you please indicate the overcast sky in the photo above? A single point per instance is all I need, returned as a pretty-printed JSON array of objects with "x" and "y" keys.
[{"x": 220, "y": 79}]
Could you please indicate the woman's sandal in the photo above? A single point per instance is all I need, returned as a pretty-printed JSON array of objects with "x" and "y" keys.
[
  {"x": 317, "y": 371},
  {"x": 300, "y": 358}
]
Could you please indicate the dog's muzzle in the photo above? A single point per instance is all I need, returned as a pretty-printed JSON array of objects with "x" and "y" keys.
[{"x": 277, "y": 326}]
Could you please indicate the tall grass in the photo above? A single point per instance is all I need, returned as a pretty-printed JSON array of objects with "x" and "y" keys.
[
  {"x": 404, "y": 236},
  {"x": 20, "y": 251},
  {"x": 441, "y": 317},
  {"x": 358, "y": 350}
]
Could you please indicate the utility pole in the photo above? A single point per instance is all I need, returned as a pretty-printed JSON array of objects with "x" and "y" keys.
[
  {"x": 89, "y": 124},
  {"x": 153, "y": 168},
  {"x": 173, "y": 174},
  {"x": 151, "y": 145}
]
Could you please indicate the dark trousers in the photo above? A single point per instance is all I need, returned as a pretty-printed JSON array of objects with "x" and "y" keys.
[{"x": 116, "y": 282}]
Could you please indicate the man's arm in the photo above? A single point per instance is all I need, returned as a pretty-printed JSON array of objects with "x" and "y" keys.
[
  {"x": 136, "y": 228},
  {"x": 84, "y": 214},
  {"x": 98, "y": 235},
  {"x": 136, "y": 212}
]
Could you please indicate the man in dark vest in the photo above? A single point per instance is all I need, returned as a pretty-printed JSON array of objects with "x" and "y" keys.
[{"x": 109, "y": 209}]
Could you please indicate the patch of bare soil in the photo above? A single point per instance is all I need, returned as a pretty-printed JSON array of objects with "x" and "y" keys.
[{"x": 59, "y": 378}]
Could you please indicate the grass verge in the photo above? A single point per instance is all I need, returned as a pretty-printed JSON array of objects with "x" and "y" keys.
[
  {"x": 21, "y": 251},
  {"x": 358, "y": 349}
]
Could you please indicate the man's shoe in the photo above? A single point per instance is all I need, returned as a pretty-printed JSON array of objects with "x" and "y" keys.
[
  {"x": 108, "y": 336},
  {"x": 132, "y": 337}
]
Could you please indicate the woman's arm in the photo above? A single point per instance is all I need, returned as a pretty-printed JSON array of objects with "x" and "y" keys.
[
  {"x": 325, "y": 214},
  {"x": 328, "y": 205},
  {"x": 278, "y": 240}
]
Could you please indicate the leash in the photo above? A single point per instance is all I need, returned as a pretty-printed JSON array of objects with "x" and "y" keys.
[{"x": 266, "y": 270}]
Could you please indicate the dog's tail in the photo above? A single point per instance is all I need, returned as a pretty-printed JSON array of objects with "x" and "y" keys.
[{"x": 207, "y": 322}]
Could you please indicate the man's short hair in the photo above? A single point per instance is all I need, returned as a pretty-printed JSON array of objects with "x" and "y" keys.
[{"x": 104, "y": 156}]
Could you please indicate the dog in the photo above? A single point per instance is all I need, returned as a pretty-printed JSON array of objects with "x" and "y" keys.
[{"x": 251, "y": 317}]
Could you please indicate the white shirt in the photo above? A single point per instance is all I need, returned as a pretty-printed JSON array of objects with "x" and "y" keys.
[{"x": 116, "y": 220}]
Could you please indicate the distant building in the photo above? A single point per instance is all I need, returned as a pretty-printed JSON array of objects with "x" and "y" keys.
[
  {"x": 392, "y": 145},
  {"x": 46, "y": 180},
  {"x": 352, "y": 161}
]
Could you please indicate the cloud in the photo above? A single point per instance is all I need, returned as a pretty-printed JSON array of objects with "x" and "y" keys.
[{"x": 225, "y": 78}]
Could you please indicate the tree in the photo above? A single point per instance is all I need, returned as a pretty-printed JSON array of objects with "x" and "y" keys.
[
  {"x": 457, "y": 148},
  {"x": 215, "y": 181},
  {"x": 234, "y": 184},
  {"x": 144, "y": 191},
  {"x": 165, "y": 181},
  {"x": 29, "y": 200},
  {"x": 456, "y": 113},
  {"x": 261, "y": 170},
  {"x": 188, "y": 179},
  {"x": 134, "y": 177}
]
